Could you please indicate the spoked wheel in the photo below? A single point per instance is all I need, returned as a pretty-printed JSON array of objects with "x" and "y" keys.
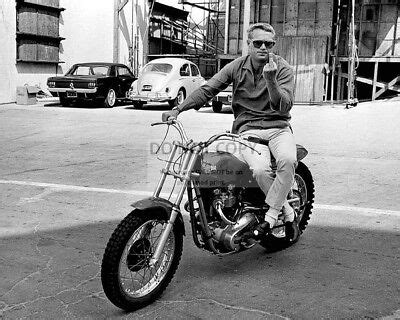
[
  {"x": 129, "y": 280},
  {"x": 303, "y": 194}
]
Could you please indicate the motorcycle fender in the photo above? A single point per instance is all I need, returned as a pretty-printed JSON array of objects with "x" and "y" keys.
[
  {"x": 162, "y": 205},
  {"x": 301, "y": 152}
]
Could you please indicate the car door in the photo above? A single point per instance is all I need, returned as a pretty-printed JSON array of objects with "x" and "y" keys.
[
  {"x": 125, "y": 78},
  {"x": 197, "y": 79},
  {"x": 186, "y": 79}
]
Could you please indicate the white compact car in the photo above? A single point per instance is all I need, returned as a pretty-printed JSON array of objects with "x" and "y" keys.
[{"x": 165, "y": 80}]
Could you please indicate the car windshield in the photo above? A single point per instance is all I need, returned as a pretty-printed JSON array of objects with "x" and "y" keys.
[
  {"x": 90, "y": 71},
  {"x": 158, "y": 67}
]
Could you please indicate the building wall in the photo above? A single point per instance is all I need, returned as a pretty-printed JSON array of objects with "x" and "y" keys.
[
  {"x": 303, "y": 28},
  {"x": 133, "y": 34},
  {"x": 377, "y": 28},
  {"x": 87, "y": 27},
  {"x": 8, "y": 70}
]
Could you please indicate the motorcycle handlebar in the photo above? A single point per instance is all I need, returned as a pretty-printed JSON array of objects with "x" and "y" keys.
[{"x": 177, "y": 124}]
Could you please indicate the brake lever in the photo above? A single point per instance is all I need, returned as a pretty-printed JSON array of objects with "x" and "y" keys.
[{"x": 169, "y": 122}]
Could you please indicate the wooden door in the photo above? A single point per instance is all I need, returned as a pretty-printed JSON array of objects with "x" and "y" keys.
[{"x": 307, "y": 56}]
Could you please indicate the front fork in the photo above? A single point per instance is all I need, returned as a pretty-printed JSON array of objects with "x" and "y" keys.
[{"x": 184, "y": 175}]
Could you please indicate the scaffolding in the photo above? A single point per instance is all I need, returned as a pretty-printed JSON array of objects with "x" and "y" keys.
[
  {"x": 366, "y": 51},
  {"x": 204, "y": 35}
]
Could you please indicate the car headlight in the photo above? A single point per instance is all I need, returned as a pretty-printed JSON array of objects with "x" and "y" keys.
[
  {"x": 51, "y": 84},
  {"x": 92, "y": 85}
]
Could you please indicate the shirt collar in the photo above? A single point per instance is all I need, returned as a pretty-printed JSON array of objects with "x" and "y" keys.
[{"x": 247, "y": 64}]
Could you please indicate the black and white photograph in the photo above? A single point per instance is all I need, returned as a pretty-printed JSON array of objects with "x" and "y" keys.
[{"x": 200, "y": 159}]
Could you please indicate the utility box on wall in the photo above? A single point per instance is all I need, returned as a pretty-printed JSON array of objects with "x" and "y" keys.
[{"x": 27, "y": 95}]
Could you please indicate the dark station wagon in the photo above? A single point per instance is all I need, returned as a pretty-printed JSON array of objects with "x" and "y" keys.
[{"x": 100, "y": 82}]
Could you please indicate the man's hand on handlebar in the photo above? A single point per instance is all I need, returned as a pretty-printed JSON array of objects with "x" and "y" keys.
[{"x": 168, "y": 115}]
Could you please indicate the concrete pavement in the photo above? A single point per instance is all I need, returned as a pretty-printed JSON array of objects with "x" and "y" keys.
[{"x": 67, "y": 176}]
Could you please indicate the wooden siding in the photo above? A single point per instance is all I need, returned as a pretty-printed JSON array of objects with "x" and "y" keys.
[
  {"x": 377, "y": 28},
  {"x": 38, "y": 31},
  {"x": 303, "y": 28},
  {"x": 307, "y": 56},
  {"x": 38, "y": 21}
]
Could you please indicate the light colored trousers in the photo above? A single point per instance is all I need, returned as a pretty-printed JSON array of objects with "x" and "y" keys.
[{"x": 275, "y": 185}]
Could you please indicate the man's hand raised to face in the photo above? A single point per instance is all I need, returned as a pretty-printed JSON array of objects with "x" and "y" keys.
[{"x": 270, "y": 69}]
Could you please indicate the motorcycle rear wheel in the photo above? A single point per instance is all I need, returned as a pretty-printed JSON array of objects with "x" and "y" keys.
[
  {"x": 128, "y": 280},
  {"x": 304, "y": 188}
]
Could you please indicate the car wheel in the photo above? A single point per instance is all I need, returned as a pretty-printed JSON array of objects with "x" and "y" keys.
[
  {"x": 64, "y": 101},
  {"x": 138, "y": 104},
  {"x": 217, "y": 106},
  {"x": 180, "y": 97},
  {"x": 111, "y": 99}
]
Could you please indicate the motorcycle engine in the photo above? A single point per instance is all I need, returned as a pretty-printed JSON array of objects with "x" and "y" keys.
[{"x": 229, "y": 220}]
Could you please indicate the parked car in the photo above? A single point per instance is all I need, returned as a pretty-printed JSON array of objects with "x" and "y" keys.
[
  {"x": 165, "y": 80},
  {"x": 222, "y": 98},
  {"x": 100, "y": 82}
]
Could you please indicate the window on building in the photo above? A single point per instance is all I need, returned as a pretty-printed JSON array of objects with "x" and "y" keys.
[{"x": 38, "y": 38}]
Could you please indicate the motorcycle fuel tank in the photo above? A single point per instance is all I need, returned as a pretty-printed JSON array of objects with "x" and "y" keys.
[{"x": 220, "y": 169}]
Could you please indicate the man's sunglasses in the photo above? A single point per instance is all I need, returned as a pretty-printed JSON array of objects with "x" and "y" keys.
[{"x": 258, "y": 43}]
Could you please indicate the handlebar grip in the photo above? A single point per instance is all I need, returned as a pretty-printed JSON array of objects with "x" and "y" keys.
[{"x": 258, "y": 140}]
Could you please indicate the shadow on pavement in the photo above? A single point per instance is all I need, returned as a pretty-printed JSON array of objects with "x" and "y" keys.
[
  {"x": 85, "y": 105},
  {"x": 330, "y": 272},
  {"x": 166, "y": 107}
]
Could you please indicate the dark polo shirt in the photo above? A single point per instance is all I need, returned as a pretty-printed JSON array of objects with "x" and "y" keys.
[{"x": 251, "y": 103}]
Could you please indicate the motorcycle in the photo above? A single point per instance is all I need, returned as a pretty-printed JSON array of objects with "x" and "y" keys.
[{"x": 224, "y": 203}]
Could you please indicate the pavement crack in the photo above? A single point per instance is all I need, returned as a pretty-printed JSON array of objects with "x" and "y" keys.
[
  {"x": 25, "y": 171},
  {"x": 25, "y": 136},
  {"x": 227, "y": 306},
  {"x": 38, "y": 197},
  {"x": 40, "y": 270},
  {"x": 90, "y": 295},
  {"x": 359, "y": 252},
  {"x": 56, "y": 296},
  {"x": 394, "y": 315},
  {"x": 20, "y": 281}
]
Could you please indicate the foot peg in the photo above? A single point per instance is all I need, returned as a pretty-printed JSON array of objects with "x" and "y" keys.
[{"x": 262, "y": 229}]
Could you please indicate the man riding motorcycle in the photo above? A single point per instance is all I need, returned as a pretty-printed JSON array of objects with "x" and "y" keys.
[{"x": 262, "y": 97}]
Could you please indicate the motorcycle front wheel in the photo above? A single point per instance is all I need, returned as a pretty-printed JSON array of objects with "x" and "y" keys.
[{"x": 128, "y": 279}]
